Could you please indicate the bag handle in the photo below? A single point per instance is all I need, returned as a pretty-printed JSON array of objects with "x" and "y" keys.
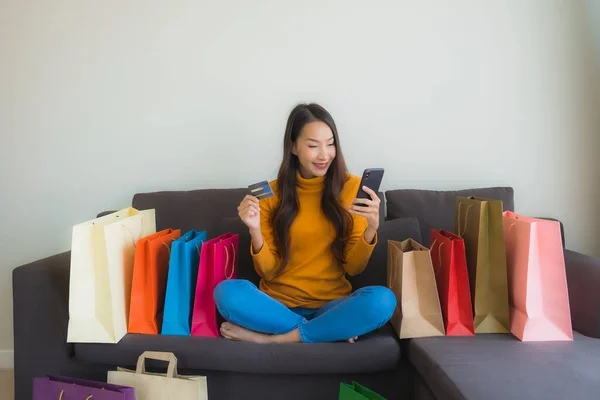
[
  {"x": 509, "y": 229},
  {"x": 198, "y": 248},
  {"x": 229, "y": 276},
  {"x": 437, "y": 270},
  {"x": 60, "y": 396},
  {"x": 168, "y": 247},
  {"x": 466, "y": 219},
  {"x": 133, "y": 239},
  {"x": 160, "y": 356}
]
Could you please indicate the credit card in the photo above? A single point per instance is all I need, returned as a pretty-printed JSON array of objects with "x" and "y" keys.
[{"x": 262, "y": 190}]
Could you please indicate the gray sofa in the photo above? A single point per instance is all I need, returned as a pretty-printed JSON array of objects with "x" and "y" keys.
[{"x": 481, "y": 367}]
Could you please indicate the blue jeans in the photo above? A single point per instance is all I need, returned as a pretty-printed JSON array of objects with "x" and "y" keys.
[{"x": 242, "y": 303}]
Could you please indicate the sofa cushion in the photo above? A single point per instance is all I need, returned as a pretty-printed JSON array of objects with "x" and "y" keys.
[
  {"x": 436, "y": 209},
  {"x": 499, "y": 366},
  {"x": 378, "y": 351},
  {"x": 376, "y": 271}
]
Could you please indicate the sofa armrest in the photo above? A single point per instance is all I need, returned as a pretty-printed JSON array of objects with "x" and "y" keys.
[
  {"x": 583, "y": 279},
  {"x": 40, "y": 317}
]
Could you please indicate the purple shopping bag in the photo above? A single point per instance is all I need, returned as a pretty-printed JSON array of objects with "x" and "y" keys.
[{"x": 64, "y": 388}]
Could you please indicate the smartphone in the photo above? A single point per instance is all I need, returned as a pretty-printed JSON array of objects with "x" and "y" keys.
[{"x": 371, "y": 178}]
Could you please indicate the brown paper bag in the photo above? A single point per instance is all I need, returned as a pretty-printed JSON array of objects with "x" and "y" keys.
[
  {"x": 410, "y": 276},
  {"x": 479, "y": 222}
]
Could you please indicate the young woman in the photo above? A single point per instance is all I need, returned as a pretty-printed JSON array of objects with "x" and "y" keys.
[{"x": 305, "y": 239}]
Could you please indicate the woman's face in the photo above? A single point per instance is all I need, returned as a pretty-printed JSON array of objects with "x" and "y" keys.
[{"x": 315, "y": 149}]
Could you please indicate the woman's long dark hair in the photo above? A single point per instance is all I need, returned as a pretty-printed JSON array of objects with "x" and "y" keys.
[{"x": 287, "y": 208}]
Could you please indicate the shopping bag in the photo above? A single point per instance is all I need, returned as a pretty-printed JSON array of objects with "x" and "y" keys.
[
  {"x": 410, "y": 276},
  {"x": 452, "y": 279},
  {"x": 479, "y": 223},
  {"x": 102, "y": 256},
  {"x": 153, "y": 386},
  {"x": 181, "y": 283},
  {"x": 356, "y": 391},
  {"x": 218, "y": 261},
  {"x": 149, "y": 282},
  {"x": 537, "y": 281},
  {"x": 65, "y": 388}
]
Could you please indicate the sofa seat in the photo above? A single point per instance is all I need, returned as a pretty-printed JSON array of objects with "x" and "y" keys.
[
  {"x": 378, "y": 351},
  {"x": 499, "y": 366}
]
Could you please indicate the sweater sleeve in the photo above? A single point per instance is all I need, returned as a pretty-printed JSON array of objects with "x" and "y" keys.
[
  {"x": 267, "y": 259},
  {"x": 358, "y": 252}
]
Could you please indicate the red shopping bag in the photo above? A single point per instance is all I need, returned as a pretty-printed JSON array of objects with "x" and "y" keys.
[
  {"x": 452, "y": 278},
  {"x": 218, "y": 262}
]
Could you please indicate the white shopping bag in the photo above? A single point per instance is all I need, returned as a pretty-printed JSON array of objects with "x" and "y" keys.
[
  {"x": 169, "y": 386},
  {"x": 102, "y": 255}
]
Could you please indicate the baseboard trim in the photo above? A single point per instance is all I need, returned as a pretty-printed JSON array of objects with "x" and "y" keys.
[{"x": 7, "y": 359}]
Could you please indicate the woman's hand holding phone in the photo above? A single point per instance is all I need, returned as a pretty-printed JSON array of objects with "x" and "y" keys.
[{"x": 368, "y": 208}]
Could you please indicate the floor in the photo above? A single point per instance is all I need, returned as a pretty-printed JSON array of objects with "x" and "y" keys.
[{"x": 6, "y": 385}]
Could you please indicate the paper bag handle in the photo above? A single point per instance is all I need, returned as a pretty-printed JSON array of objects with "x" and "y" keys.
[
  {"x": 60, "y": 397},
  {"x": 436, "y": 270},
  {"x": 160, "y": 356},
  {"x": 134, "y": 240},
  {"x": 198, "y": 248},
  {"x": 466, "y": 220},
  {"x": 229, "y": 276},
  {"x": 510, "y": 227}
]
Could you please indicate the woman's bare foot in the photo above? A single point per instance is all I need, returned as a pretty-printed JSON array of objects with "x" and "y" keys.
[{"x": 236, "y": 332}]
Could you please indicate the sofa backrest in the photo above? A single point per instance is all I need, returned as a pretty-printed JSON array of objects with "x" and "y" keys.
[
  {"x": 195, "y": 209},
  {"x": 215, "y": 210},
  {"x": 212, "y": 210},
  {"x": 436, "y": 209}
]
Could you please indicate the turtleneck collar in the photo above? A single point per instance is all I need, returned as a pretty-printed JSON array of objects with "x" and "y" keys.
[{"x": 312, "y": 184}]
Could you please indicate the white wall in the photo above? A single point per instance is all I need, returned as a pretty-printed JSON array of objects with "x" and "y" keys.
[{"x": 100, "y": 100}]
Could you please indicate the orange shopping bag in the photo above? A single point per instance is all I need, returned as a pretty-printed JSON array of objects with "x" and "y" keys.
[{"x": 150, "y": 270}]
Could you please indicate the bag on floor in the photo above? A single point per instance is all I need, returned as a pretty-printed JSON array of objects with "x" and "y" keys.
[
  {"x": 65, "y": 388},
  {"x": 479, "y": 223},
  {"x": 357, "y": 392},
  {"x": 153, "y": 386},
  {"x": 537, "y": 280},
  {"x": 181, "y": 283},
  {"x": 102, "y": 256},
  {"x": 452, "y": 279},
  {"x": 410, "y": 276},
  {"x": 149, "y": 282},
  {"x": 218, "y": 262}
]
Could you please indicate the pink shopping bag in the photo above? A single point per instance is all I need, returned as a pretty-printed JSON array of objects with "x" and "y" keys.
[
  {"x": 218, "y": 261},
  {"x": 537, "y": 282}
]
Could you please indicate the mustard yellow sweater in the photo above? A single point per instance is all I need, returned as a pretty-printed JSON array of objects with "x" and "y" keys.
[{"x": 313, "y": 275}]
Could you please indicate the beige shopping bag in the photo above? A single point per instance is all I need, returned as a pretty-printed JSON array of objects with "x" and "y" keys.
[
  {"x": 102, "y": 255},
  {"x": 410, "y": 276},
  {"x": 169, "y": 386}
]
